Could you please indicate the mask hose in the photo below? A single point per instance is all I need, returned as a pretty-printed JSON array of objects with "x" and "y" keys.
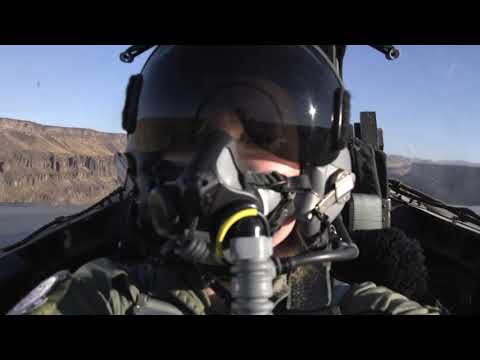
[
  {"x": 249, "y": 249},
  {"x": 346, "y": 251}
]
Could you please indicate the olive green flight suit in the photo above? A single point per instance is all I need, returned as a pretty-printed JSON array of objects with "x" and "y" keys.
[{"x": 103, "y": 287}]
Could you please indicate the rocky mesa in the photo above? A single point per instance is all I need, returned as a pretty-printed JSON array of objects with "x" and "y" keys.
[
  {"x": 70, "y": 166},
  {"x": 56, "y": 165}
]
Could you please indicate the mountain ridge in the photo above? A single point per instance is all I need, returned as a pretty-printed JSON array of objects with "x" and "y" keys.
[
  {"x": 56, "y": 165},
  {"x": 75, "y": 166}
]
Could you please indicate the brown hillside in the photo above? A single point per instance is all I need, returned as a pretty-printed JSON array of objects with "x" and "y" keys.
[{"x": 56, "y": 165}]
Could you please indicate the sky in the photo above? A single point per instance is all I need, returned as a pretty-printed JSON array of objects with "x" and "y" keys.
[
  {"x": 426, "y": 101},
  {"x": 76, "y": 86}
]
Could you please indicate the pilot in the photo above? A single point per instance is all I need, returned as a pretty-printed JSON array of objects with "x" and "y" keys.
[{"x": 216, "y": 133}]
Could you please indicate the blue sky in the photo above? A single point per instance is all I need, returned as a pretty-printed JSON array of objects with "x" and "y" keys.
[
  {"x": 426, "y": 102},
  {"x": 78, "y": 86}
]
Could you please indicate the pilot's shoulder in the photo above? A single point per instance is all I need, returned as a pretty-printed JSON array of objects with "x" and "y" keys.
[
  {"x": 39, "y": 300},
  {"x": 93, "y": 288},
  {"x": 368, "y": 298}
]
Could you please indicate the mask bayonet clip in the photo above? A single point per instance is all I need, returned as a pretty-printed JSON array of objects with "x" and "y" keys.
[{"x": 344, "y": 184}]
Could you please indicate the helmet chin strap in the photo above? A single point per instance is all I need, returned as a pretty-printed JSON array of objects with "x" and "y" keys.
[
  {"x": 278, "y": 194},
  {"x": 284, "y": 196}
]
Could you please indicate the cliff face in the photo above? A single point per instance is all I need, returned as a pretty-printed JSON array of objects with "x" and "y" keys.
[
  {"x": 56, "y": 165},
  {"x": 454, "y": 182},
  {"x": 60, "y": 166}
]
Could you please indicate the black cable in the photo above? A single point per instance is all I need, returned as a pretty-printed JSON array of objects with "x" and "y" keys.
[
  {"x": 342, "y": 230},
  {"x": 345, "y": 252}
]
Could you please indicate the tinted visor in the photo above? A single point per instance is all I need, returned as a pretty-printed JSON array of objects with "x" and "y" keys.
[{"x": 284, "y": 99}]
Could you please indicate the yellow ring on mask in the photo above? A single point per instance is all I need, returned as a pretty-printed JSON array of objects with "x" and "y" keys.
[{"x": 226, "y": 226}]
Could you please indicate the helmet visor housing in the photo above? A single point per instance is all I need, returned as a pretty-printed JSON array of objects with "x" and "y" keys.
[{"x": 284, "y": 99}]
